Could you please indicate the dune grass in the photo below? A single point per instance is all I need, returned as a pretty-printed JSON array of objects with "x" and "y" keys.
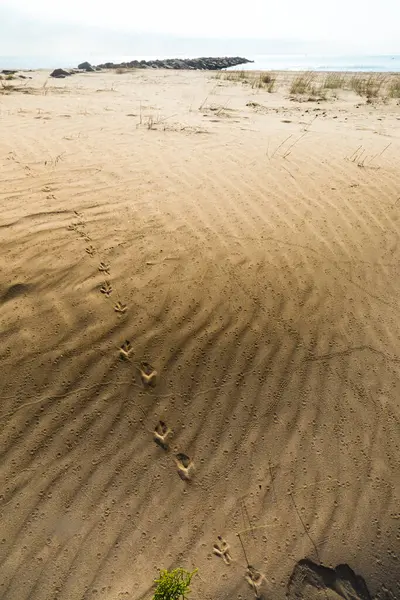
[
  {"x": 306, "y": 84},
  {"x": 264, "y": 80},
  {"x": 334, "y": 81},
  {"x": 303, "y": 84},
  {"x": 6, "y": 87},
  {"x": 369, "y": 87},
  {"x": 394, "y": 87}
]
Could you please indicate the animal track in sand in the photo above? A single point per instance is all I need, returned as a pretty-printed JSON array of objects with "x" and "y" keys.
[
  {"x": 119, "y": 307},
  {"x": 84, "y": 235},
  {"x": 222, "y": 549},
  {"x": 125, "y": 350},
  {"x": 104, "y": 268},
  {"x": 148, "y": 374},
  {"x": 106, "y": 288},
  {"x": 91, "y": 250},
  {"x": 185, "y": 466},
  {"x": 161, "y": 433},
  {"x": 255, "y": 579}
]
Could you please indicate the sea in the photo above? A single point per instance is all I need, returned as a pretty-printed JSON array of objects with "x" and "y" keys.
[{"x": 262, "y": 62}]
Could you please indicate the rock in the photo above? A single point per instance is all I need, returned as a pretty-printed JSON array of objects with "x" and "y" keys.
[
  {"x": 86, "y": 66},
  {"x": 60, "y": 74},
  {"x": 202, "y": 63}
]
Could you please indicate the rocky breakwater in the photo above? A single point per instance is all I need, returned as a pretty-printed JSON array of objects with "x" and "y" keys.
[{"x": 202, "y": 64}]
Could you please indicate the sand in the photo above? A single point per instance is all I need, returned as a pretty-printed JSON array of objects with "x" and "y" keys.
[{"x": 199, "y": 338}]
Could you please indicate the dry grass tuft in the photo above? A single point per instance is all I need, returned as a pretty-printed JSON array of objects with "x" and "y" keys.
[
  {"x": 303, "y": 84},
  {"x": 6, "y": 88},
  {"x": 334, "y": 81},
  {"x": 238, "y": 76},
  {"x": 122, "y": 70},
  {"x": 256, "y": 80},
  {"x": 368, "y": 87},
  {"x": 394, "y": 87},
  {"x": 267, "y": 81}
]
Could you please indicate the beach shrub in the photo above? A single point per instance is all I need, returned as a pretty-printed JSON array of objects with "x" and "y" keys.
[
  {"x": 5, "y": 87},
  {"x": 267, "y": 78},
  {"x": 173, "y": 585},
  {"x": 367, "y": 86},
  {"x": 334, "y": 81},
  {"x": 303, "y": 84},
  {"x": 264, "y": 81},
  {"x": 268, "y": 81},
  {"x": 242, "y": 76},
  {"x": 394, "y": 87}
]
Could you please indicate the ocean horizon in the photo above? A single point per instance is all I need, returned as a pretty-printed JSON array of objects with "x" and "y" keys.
[{"x": 262, "y": 62}]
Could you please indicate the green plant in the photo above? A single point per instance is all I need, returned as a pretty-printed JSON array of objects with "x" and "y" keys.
[{"x": 172, "y": 585}]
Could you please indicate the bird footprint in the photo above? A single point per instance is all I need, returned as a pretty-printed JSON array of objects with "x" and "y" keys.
[
  {"x": 104, "y": 268},
  {"x": 161, "y": 432},
  {"x": 222, "y": 549},
  {"x": 91, "y": 250},
  {"x": 255, "y": 579},
  {"x": 106, "y": 288},
  {"x": 120, "y": 308},
  {"x": 125, "y": 350},
  {"x": 148, "y": 374},
  {"x": 185, "y": 466}
]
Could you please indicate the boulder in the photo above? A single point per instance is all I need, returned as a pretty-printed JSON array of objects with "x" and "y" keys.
[
  {"x": 60, "y": 73},
  {"x": 86, "y": 66}
]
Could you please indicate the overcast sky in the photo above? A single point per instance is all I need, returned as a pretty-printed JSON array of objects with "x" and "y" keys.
[{"x": 37, "y": 26}]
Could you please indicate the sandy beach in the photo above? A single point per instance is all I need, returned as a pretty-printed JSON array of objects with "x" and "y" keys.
[{"x": 199, "y": 288}]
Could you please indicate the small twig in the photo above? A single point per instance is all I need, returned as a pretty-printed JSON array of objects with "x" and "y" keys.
[
  {"x": 304, "y": 527},
  {"x": 203, "y": 103},
  {"x": 310, "y": 123},
  {"x": 244, "y": 509},
  {"x": 272, "y": 480},
  {"x": 354, "y": 153},
  {"x": 224, "y": 107},
  {"x": 294, "y": 143},
  {"x": 287, "y": 171},
  {"x": 380, "y": 154},
  {"x": 280, "y": 145},
  {"x": 244, "y": 550}
]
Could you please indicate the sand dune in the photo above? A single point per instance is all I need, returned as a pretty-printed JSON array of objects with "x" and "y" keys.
[{"x": 199, "y": 337}]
